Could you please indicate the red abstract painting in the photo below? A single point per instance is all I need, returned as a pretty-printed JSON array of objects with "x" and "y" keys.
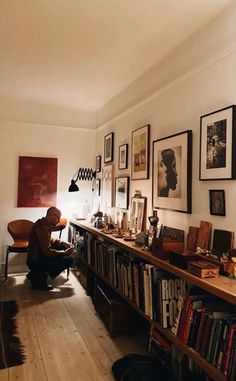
[{"x": 37, "y": 182}]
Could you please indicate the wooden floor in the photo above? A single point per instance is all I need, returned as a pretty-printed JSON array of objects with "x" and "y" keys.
[{"x": 63, "y": 338}]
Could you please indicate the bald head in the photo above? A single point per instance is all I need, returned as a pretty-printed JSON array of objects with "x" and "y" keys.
[{"x": 53, "y": 215}]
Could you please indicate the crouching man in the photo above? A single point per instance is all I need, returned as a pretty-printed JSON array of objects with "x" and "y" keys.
[{"x": 47, "y": 256}]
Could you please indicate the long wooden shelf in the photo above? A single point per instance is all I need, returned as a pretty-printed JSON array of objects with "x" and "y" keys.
[
  {"x": 190, "y": 352},
  {"x": 221, "y": 287}
]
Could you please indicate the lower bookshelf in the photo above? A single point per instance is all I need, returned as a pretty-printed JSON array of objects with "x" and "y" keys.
[{"x": 212, "y": 287}]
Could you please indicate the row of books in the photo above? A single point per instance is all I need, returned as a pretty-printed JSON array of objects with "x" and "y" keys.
[
  {"x": 197, "y": 318},
  {"x": 180, "y": 366},
  {"x": 208, "y": 324},
  {"x": 153, "y": 290}
]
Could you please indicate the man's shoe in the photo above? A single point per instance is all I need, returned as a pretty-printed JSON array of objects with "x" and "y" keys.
[
  {"x": 41, "y": 287},
  {"x": 29, "y": 276}
]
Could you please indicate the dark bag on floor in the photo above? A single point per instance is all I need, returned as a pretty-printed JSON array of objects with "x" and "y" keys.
[{"x": 135, "y": 367}]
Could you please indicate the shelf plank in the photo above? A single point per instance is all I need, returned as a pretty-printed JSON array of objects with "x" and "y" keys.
[
  {"x": 221, "y": 286},
  {"x": 190, "y": 352}
]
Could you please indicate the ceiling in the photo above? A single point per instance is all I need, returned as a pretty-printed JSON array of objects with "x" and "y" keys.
[{"x": 79, "y": 54}]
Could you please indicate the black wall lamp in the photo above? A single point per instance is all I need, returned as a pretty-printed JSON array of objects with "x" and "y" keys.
[{"x": 81, "y": 174}]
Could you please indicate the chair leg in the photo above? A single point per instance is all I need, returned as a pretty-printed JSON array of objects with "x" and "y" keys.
[
  {"x": 6, "y": 265},
  {"x": 68, "y": 273}
]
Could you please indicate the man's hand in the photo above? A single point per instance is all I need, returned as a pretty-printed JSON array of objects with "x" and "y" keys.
[
  {"x": 69, "y": 250},
  {"x": 66, "y": 245}
]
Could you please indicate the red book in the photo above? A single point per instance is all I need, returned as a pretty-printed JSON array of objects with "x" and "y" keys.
[
  {"x": 162, "y": 340},
  {"x": 182, "y": 322},
  {"x": 229, "y": 348}
]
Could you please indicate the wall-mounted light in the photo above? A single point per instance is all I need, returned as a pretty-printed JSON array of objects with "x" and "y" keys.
[{"x": 81, "y": 174}]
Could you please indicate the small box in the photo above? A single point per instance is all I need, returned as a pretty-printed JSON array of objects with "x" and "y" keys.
[
  {"x": 203, "y": 269},
  {"x": 161, "y": 247},
  {"x": 181, "y": 260}
]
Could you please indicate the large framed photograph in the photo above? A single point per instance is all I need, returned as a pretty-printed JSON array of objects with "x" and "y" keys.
[
  {"x": 98, "y": 163},
  {"x": 217, "y": 202},
  {"x": 140, "y": 153},
  {"x": 218, "y": 145},
  {"x": 172, "y": 172},
  {"x": 138, "y": 213},
  {"x": 123, "y": 156},
  {"x": 108, "y": 147},
  {"x": 122, "y": 192}
]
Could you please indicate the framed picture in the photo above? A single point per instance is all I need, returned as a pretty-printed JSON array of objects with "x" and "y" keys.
[
  {"x": 138, "y": 213},
  {"x": 37, "y": 182},
  {"x": 108, "y": 147},
  {"x": 98, "y": 163},
  {"x": 172, "y": 172},
  {"x": 123, "y": 156},
  {"x": 122, "y": 192},
  {"x": 97, "y": 187},
  {"x": 217, "y": 202},
  {"x": 140, "y": 153},
  {"x": 107, "y": 185},
  {"x": 218, "y": 145}
]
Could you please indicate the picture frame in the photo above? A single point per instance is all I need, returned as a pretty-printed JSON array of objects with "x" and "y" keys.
[
  {"x": 98, "y": 163},
  {"x": 140, "y": 153},
  {"x": 172, "y": 172},
  {"x": 123, "y": 156},
  {"x": 107, "y": 185},
  {"x": 97, "y": 187},
  {"x": 122, "y": 192},
  {"x": 37, "y": 181},
  {"x": 108, "y": 147},
  {"x": 217, "y": 202},
  {"x": 218, "y": 145},
  {"x": 138, "y": 213}
]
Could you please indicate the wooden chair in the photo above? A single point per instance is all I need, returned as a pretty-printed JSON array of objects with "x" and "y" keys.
[
  {"x": 20, "y": 231},
  {"x": 61, "y": 225}
]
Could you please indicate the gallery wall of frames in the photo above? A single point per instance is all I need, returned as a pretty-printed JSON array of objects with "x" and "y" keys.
[{"x": 169, "y": 165}]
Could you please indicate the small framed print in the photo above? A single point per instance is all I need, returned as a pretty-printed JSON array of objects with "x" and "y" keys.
[
  {"x": 122, "y": 192},
  {"x": 98, "y": 163},
  {"x": 218, "y": 145},
  {"x": 108, "y": 147},
  {"x": 217, "y": 202},
  {"x": 123, "y": 156},
  {"x": 107, "y": 190},
  {"x": 97, "y": 187},
  {"x": 140, "y": 153},
  {"x": 138, "y": 212}
]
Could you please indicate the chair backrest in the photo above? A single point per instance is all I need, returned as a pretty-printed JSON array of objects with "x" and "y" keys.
[
  {"x": 20, "y": 229},
  {"x": 60, "y": 225}
]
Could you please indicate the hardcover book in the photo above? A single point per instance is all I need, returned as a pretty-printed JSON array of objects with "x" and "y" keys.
[{"x": 170, "y": 289}]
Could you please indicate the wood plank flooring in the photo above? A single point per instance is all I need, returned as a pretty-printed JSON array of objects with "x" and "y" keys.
[{"x": 62, "y": 336}]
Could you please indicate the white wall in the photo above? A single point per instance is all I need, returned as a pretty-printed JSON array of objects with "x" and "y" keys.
[
  {"x": 175, "y": 106},
  {"x": 197, "y": 78},
  {"x": 72, "y": 147}
]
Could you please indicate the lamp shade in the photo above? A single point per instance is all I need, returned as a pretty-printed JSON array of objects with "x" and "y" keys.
[{"x": 73, "y": 187}]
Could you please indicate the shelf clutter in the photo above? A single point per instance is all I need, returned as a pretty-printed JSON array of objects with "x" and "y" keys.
[{"x": 194, "y": 317}]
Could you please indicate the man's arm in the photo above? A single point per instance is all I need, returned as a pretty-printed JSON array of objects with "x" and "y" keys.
[{"x": 45, "y": 243}]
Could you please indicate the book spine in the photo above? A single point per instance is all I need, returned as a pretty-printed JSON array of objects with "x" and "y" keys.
[
  {"x": 211, "y": 339},
  {"x": 229, "y": 349},
  {"x": 217, "y": 342},
  {"x": 232, "y": 358}
]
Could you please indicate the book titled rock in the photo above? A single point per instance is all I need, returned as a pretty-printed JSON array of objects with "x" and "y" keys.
[{"x": 169, "y": 291}]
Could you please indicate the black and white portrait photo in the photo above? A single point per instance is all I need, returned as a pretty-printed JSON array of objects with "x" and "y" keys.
[{"x": 169, "y": 172}]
